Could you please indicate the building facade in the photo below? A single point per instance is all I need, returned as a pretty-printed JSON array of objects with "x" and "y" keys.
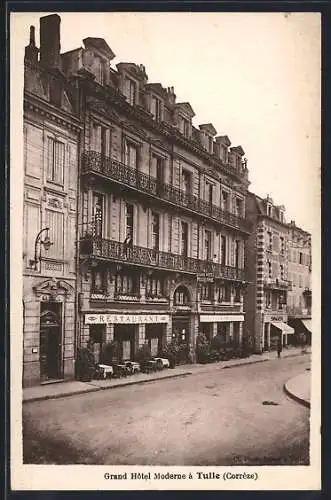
[
  {"x": 300, "y": 295},
  {"x": 162, "y": 225},
  {"x": 51, "y": 135},
  {"x": 267, "y": 294}
]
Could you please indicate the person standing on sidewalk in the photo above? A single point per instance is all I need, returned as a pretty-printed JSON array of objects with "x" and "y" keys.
[{"x": 279, "y": 346}]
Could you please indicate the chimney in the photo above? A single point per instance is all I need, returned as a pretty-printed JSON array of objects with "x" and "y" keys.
[
  {"x": 31, "y": 51},
  {"x": 50, "y": 41}
]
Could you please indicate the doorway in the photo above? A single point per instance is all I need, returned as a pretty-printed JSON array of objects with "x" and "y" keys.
[
  {"x": 50, "y": 340},
  {"x": 125, "y": 336}
]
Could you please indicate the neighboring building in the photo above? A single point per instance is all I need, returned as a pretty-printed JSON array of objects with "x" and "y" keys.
[
  {"x": 267, "y": 272},
  {"x": 51, "y": 131},
  {"x": 299, "y": 271},
  {"x": 161, "y": 215}
]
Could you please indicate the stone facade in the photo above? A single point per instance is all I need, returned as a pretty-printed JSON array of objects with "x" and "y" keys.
[
  {"x": 267, "y": 267},
  {"x": 51, "y": 131}
]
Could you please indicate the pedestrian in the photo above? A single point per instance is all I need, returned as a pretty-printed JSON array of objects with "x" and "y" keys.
[{"x": 279, "y": 346}]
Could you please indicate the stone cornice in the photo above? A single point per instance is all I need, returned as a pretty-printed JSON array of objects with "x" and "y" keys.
[{"x": 33, "y": 103}]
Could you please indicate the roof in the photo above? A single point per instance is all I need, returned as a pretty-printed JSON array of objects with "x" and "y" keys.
[
  {"x": 223, "y": 139},
  {"x": 186, "y": 108},
  {"x": 100, "y": 44},
  {"x": 209, "y": 128},
  {"x": 238, "y": 149}
]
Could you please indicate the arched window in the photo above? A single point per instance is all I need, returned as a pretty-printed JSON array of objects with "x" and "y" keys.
[{"x": 181, "y": 296}]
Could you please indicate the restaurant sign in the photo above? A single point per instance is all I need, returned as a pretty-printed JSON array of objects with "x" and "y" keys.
[{"x": 132, "y": 319}]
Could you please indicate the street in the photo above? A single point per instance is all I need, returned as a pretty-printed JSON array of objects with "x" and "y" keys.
[{"x": 215, "y": 418}]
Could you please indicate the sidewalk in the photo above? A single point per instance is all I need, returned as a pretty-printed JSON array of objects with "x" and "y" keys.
[
  {"x": 298, "y": 388},
  {"x": 70, "y": 388}
]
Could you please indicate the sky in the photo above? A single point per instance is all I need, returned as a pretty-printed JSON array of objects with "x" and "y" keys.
[{"x": 254, "y": 76}]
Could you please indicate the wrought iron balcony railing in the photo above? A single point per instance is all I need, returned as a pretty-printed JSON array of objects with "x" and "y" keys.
[
  {"x": 276, "y": 284},
  {"x": 299, "y": 311},
  {"x": 97, "y": 163},
  {"x": 101, "y": 248}
]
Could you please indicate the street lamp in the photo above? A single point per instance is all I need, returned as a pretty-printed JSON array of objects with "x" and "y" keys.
[{"x": 46, "y": 244}]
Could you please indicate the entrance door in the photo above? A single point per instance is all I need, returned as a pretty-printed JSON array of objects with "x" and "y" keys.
[
  {"x": 125, "y": 336},
  {"x": 50, "y": 340}
]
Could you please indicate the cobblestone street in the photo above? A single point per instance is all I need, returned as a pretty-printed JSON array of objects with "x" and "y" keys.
[{"x": 214, "y": 418}]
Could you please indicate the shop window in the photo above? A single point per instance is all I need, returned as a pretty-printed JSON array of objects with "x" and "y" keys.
[
  {"x": 126, "y": 284},
  {"x": 181, "y": 296},
  {"x": 222, "y": 330},
  {"x": 206, "y": 292}
]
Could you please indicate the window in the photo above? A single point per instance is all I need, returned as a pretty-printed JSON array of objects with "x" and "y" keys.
[
  {"x": 220, "y": 293},
  {"x": 239, "y": 207},
  {"x": 158, "y": 169},
  {"x": 210, "y": 144},
  {"x": 130, "y": 91},
  {"x": 184, "y": 126},
  {"x": 270, "y": 241},
  {"x": 237, "y": 295},
  {"x": 55, "y": 222},
  {"x": 281, "y": 301},
  {"x": 223, "y": 250},
  {"x": 129, "y": 223},
  {"x": 181, "y": 296},
  {"x": 99, "y": 281},
  {"x": 300, "y": 258},
  {"x": 269, "y": 210},
  {"x": 269, "y": 269},
  {"x": 268, "y": 300},
  {"x": 155, "y": 231},
  {"x": 156, "y": 108},
  {"x": 282, "y": 245},
  {"x": 126, "y": 284},
  {"x": 207, "y": 245},
  {"x": 186, "y": 182},
  {"x": 97, "y": 214},
  {"x": 225, "y": 200},
  {"x": 184, "y": 238},
  {"x": 282, "y": 276},
  {"x": 100, "y": 70},
  {"x": 209, "y": 193},
  {"x": 206, "y": 292},
  {"x": 55, "y": 167},
  {"x": 237, "y": 253},
  {"x": 225, "y": 154},
  {"x": 131, "y": 155},
  {"x": 154, "y": 287}
]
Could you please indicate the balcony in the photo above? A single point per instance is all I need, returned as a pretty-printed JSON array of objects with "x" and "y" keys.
[
  {"x": 95, "y": 163},
  {"x": 115, "y": 251},
  {"x": 277, "y": 284},
  {"x": 299, "y": 312}
]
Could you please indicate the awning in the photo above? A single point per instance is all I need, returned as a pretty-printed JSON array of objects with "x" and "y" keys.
[
  {"x": 220, "y": 318},
  {"x": 284, "y": 327},
  {"x": 307, "y": 324}
]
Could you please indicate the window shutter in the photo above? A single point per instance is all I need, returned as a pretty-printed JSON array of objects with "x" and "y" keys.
[
  {"x": 50, "y": 157},
  {"x": 59, "y": 162}
]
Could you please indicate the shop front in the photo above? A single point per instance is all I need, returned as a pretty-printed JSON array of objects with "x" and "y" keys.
[
  {"x": 227, "y": 326},
  {"x": 275, "y": 327},
  {"x": 130, "y": 331}
]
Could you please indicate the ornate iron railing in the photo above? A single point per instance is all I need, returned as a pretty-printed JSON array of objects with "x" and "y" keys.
[
  {"x": 97, "y": 163},
  {"x": 97, "y": 247},
  {"x": 278, "y": 284}
]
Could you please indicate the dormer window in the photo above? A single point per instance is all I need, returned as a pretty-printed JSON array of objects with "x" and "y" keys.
[
  {"x": 184, "y": 126},
  {"x": 100, "y": 69},
  {"x": 269, "y": 211},
  {"x": 224, "y": 152},
  {"x": 156, "y": 108},
  {"x": 130, "y": 91}
]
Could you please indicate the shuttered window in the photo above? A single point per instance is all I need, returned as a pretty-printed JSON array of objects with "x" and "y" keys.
[
  {"x": 54, "y": 220},
  {"x": 55, "y": 167}
]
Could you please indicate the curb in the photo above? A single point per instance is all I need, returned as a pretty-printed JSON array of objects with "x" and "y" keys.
[
  {"x": 296, "y": 398},
  {"x": 175, "y": 375},
  {"x": 97, "y": 388}
]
